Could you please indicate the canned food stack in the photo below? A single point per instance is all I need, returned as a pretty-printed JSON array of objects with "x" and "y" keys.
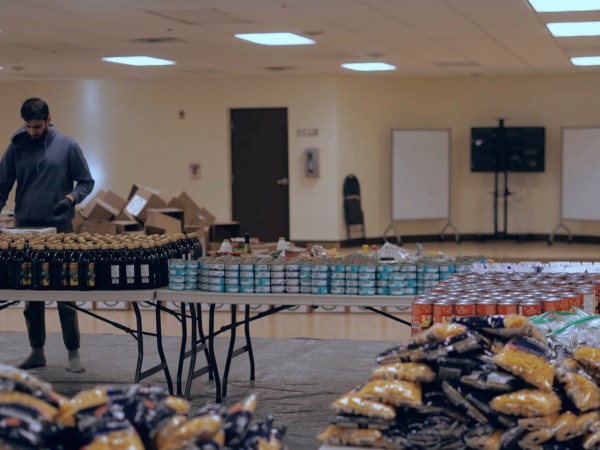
[
  {"x": 447, "y": 269},
  {"x": 367, "y": 279},
  {"x": 528, "y": 294},
  {"x": 351, "y": 271},
  {"x": 232, "y": 276},
  {"x": 337, "y": 279},
  {"x": 246, "y": 277},
  {"x": 212, "y": 275},
  {"x": 262, "y": 277},
  {"x": 292, "y": 277},
  {"x": 306, "y": 278},
  {"x": 320, "y": 278},
  {"x": 183, "y": 275},
  {"x": 404, "y": 280},
  {"x": 277, "y": 277},
  {"x": 428, "y": 276}
]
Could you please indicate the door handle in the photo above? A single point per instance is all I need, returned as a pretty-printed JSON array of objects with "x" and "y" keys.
[{"x": 283, "y": 181}]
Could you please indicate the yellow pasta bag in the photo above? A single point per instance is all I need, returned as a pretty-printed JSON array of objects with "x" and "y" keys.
[
  {"x": 588, "y": 356},
  {"x": 392, "y": 392},
  {"x": 561, "y": 423},
  {"x": 591, "y": 441},
  {"x": 352, "y": 403},
  {"x": 83, "y": 400},
  {"x": 182, "y": 433},
  {"x": 490, "y": 442},
  {"x": 415, "y": 372},
  {"x": 334, "y": 435},
  {"x": 47, "y": 411},
  {"x": 577, "y": 427},
  {"x": 538, "y": 437},
  {"x": 439, "y": 332},
  {"x": 537, "y": 423},
  {"x": 527, "y": 403},
  {"x": 525, "y": 358},
  {"x": 583, "y": 392}
]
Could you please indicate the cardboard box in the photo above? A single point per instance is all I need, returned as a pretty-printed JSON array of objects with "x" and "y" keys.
[
  {"x": 98, "y": 226},
  {"x": 193, "y": 214},
  {"x": 114, "y": 200},
  {"x": 141, "y": 201},
  {"x": 105, "y": 205},
  {"x": 169, "y": 220},
  {"x": 127, "y": 226},
  {"x": 87, "y": 209}
]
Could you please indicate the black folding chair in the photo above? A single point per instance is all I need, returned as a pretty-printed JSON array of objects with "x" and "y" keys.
[{"x": 353, "y": 212}]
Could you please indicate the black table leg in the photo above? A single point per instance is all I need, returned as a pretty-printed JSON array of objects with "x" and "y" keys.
[
  {"x": 249, "y": 341},
  {"x": 140, "y": 342},
  {"x": 211, "y": 351},
  {"x": 182, "y": 347},
  {"x": 161, "y": 352},
  {"x": 203, "y": 339},
  {"x": 230, "y": 351},
  {"x": 194, "y": 351}
]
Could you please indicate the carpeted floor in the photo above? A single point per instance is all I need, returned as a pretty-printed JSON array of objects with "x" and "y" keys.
[{"x": 296, "y": 379}]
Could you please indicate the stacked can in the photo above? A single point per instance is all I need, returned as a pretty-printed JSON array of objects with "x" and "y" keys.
[
  {"x": 262, "y": 277},
  {"x": 447, "y": 269},
  {"x": 277, "y": 276},
  {"x": 246, "y": 276},
  {"x": 367, "y": 279},
  {"x": 177, "y": 274},
  {"x": 306, "y": 277},
  {"x": 428, "y": 276},
  {"x": 292, "y": 278},
  {"x": 183, "y": 275},
  {"x": 337, "y": 278},
  {"x": 212, "y": 275},
  {"x": 351, "y": 273},
  {"x": 403, "y": 281},
  {"x": 232, "y": 276},
  {"x": 320, "y": 278},
  {"x": 383, "y": 275}
]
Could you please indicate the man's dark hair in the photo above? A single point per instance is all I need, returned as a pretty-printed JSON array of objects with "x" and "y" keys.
[{"x": 34, "y": 109}]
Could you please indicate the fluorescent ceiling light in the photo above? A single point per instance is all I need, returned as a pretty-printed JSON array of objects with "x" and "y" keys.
[
  {"x": 139, "y": 61},
  {"x": 564, "y": 5},
  {"x": 369, "y": 66},
  {"x": 275, "y": 39},
  {"x": 586, "y": 61},
  {"x": 567, "y": 29}
]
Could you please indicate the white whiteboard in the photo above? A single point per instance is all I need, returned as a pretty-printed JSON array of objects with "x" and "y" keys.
[
  {"x": 580, "y": 174},
  {"x": 420, "y": 174}
]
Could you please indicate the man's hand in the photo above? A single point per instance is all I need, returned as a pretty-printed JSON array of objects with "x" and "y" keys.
[{"x": 62, "y": 206}]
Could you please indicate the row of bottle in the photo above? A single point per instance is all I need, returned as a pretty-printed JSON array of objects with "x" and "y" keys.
[{"x": 92, "y": 265}]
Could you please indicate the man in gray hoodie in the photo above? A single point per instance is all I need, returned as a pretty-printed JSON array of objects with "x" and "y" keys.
[{"x": 52, "y": 176}]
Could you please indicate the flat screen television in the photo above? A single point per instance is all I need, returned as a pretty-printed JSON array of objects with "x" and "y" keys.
[{"x": 513, "y": 149}]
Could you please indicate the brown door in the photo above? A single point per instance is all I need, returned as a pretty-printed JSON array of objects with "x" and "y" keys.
[{"x": 259, "y": 164}]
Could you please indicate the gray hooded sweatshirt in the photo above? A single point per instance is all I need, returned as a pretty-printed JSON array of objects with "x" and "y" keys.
[{"x": 45, "y": 171}]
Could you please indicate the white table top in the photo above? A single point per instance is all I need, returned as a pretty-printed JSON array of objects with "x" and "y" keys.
[
  {"x": 284, "y": 299},
  {"x": 73, "y": 296}
]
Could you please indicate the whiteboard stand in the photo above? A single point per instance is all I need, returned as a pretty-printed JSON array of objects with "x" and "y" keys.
[
  {"x": 392, "y": 227},
  {"x": 558, "y": 227},
  {"x": 451, "y": 227}
]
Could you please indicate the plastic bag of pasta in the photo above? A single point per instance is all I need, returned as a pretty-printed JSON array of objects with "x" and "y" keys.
[
  {"x": 503, "y": 326},
  {"x": 105, "y": 427},
  {"x": 13, "y": 379},
  {"x": 439, "y": 332},
  {"x": 527, "y": 403},
  {"x": 589, "y": 358},
  {"x": 201, "y": 431},
  {"x": 83, "y": 400},
  {"x": 146, "y": 407},
  {"x": 237, "y": 419},
  {"x": 483, "y": 438},
  {"x": 580, "y": 388},
  {"x": 21, "y": 427},
  {"x": 352, "y": 403},
  {"x": 392, "y": 392},
  {"x": 527, "y": 359},
  {"x": 570, "y": 426},
  {"x": 263, "y": 435},
  {"x": 354, "y": 437},
  {"x": 415, "y": 372}
]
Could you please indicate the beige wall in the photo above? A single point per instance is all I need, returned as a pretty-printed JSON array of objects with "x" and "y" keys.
[{"x": 131, "y": 133}]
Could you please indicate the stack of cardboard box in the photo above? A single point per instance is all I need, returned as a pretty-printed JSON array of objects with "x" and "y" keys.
[{"x": 144, "y": 211}]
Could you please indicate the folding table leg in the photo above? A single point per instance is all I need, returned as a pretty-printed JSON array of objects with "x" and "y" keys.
[
  {"x": 194, "y": 350},
  {"x": 211, "y": 351},
  {"x": 182, "y": 347},
  {"x": 230, "y": 351},
  {"x": 140, "y": 342},
  {"x": 161, "y": 352},
  {"x": 249, "y": 341},
  {"x": 203, "y": 339}
]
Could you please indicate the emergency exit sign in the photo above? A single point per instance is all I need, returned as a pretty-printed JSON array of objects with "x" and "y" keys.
[{"x": 306, "y": 132}]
